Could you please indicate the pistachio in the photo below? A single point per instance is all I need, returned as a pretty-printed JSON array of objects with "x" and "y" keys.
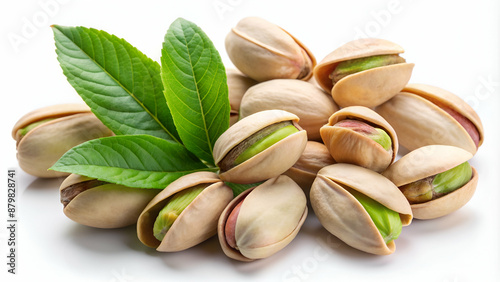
[
  {"x": 45, "y": 134},
  {"x": 360, "y": 136},
  {"x": 360, "y": 207},
  {"x": 264, "y": 51},
  {"x": 349, "y": 67},
  {"x": 376, "y": 134},
  {"x": 426, "y": 115},
  {"x": 173, "y": 209},
  {"x": 364, "y": 72},
  {"x": 271, "y": 139},
  {"x": 436, "y": 179},
  {"x": 262, "y": 220},
  {"x": 101, "y": 204},
  {"x": 310, "y": 103},
  {"x": 185, "y": 213},
  {"x": 437, "y": 185}
]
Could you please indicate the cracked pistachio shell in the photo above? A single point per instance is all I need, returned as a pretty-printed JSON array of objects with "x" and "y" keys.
[
  {"x": 419, "y": 121},
  {"x": 348, "y": 146},
  {"x": 270, "y": 217},
  {"x": 43, "y": 145},
  {"x": 368, "y": 88},
  {"x": 269, "y": 163},
  {"x": 315, "y": 157},
  {"x": 196, "y": 223},
  {"x": 344, "y": 217},
  {"x": 103, "y": 205},
  {"x": 264, "y": 51},
  {"x": 237, "y": 84},
  {"x": 310, "y": 103},
  {"x": 428, "y": 161}
]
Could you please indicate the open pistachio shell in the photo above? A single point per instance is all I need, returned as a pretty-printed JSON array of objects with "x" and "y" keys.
[
  {"x": 103, "y": 205},
  {"x": 264, "y": 51},
  {"x": 237, "y": 84},
  {"x": 368, "y": 88},
  {"x": 67, "y": 125},
  {"x": 428, "y": 161},
  {"x": 343, "y": 216},
  {"x": 196, "y": 223},
  {"x": 270, "y": 217},
  {"x": 315, "y": 157},
  {"x": 419, "y": 119},
  {"x": 310, "y": 103},
  {"x": 269, "y": 163},
  {"x": 348, "y": 146}
]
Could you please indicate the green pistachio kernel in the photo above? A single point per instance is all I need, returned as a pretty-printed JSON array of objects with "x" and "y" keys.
[
  {"x": 382, "y": 138},
  {"x": 438, "y": 185},
  {"x": 25, "y": 130},
  {"x": 175, "y": 206},
  {"x": 266, "y": 142},
  {"x": 387, "y": 221},
  {"x": 256, "y": 143},
  {"x": 452, "y": 179},
  {"x": 349, "y": 67}
]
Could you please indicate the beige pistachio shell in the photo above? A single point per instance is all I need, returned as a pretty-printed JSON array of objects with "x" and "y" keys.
[
  {"x": 107, "y": 205},
  {"x": 419, "y": 122},
  {"x": 269, "y": 219},
  {"x": 273, "y": 161},
  {"x": 368, "y": 88},
  {"x": 196, "y": 223},
  {"x": 311, "y": 104},
  {"x": 372, "y": 87},
  {"x": 343, "y": 216},
  {"x": 264, "y": 51},
  {"x": 53, "y": 111},
  {"x": 315, "y": 157},
  {"x": 428, "y": 161},
  {"x": 360, "y": 48},
  {"x": 348, "y": 146},
  {"x": 237, "y": 84},
  {"x": 43, "y": 145}
]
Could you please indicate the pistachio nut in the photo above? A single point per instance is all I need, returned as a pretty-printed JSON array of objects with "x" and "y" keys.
[
  {"x": 310, "y": 103},
  {"x": 100, "y": 204},
  {"x": 265, "y": 51},
  {"x": 259, "y": 147},
  {"x": 237, "y": 84},
  {"x": 185, "y": 213},
  {"x": 262, "y": 220},
  {"x": 315, "y": 157},
  {"x": 427, "y": 115},
  {"x": 364, "y": 72},
  {"x": 45, "y": 134},
  {"x": 360, "y": 207},
  {"x": 436, "y": 179},
  {"x": 360, "y": 136}
]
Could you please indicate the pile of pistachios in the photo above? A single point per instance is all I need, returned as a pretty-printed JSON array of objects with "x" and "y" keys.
[{"x": 324, "y": 135}]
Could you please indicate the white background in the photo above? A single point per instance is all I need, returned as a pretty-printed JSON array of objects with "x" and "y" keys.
[{"x": 453, "y": 45}]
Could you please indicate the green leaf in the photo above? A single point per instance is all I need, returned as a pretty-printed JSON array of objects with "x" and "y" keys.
[
  {"x": 140, "y": 161},
  {"x": 120, "y": 84},
  {"x": 195, "y": 87}
]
